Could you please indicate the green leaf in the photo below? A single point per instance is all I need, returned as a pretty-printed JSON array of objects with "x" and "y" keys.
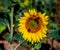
[
  {"x": 2, "y": 25},
  {"x": 37, "y": 45},
  {"x": 19, "y": 38},
  {"x": 15, "y": 0},
  {"x": 48, "y": 1},
  {"x": 6, "y": 3},
  {"x": 2, "y": 28},
  {"x": 5, "y": 10},
  {"x": 22, "y": 5},
  {"x": 49, "y": 4},
  {"x": 54, "y": 34},
  {"x": 35, "y": 3},
  {"x": 8, "y": 38},
  {"x": 53, "y": 25}
]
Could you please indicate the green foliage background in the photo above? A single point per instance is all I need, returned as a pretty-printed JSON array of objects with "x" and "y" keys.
[{"x": 47, "y": 6}]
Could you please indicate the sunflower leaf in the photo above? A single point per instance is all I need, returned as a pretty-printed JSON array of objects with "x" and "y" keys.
[
  {"x": 54, "y": 34},
  {"x": 37, "y": 45},
  {"x": 22, "y": 5},
  {"x": 19, "y": 38},
  {"x": 2, "y": 25},
  {"x": 6, "y": 3},
  {"x": 8, "y": 38}
]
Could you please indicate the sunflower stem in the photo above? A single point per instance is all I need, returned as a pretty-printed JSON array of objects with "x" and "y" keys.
[
  {"x": 32, "y": 49},
  {"x": 11, "y": 30}
]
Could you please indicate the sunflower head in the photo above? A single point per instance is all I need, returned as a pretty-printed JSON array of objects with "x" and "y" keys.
[{"x": 33, "y": 26}]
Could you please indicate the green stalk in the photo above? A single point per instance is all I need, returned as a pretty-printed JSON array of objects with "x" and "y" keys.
[
  {"x": 32, "y": 49},
  {"x": 11, "y": 31}
]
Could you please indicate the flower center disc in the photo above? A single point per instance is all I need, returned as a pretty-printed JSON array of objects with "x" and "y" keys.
[{"x": 33, "y": 24}]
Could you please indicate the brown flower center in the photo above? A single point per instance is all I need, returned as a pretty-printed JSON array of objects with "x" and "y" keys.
[{"x": 33, "y": 24}]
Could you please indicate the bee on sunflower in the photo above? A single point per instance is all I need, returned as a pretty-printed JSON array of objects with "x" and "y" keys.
[{"x": 33, "y": 26}]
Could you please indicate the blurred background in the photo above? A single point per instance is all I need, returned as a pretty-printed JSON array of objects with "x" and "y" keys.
[{"x": 50, "y": 7}]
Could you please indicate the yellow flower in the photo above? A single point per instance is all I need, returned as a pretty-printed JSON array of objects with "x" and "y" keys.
[
  {"x": 26, "y": 2},
  {"x": 33, "y": 26}
]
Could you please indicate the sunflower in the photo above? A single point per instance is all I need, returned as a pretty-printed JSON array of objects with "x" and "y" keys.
[{"x": 33, "y": 26}]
